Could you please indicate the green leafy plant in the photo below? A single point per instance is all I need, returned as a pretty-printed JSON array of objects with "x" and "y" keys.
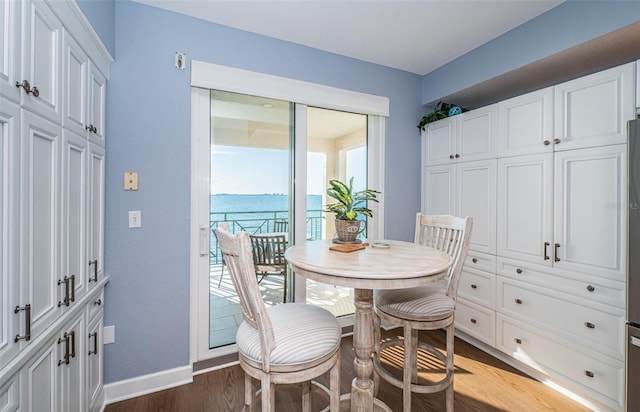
[
  {"x": 349, "y": 203},
  {"x": 441, "y": 111}
]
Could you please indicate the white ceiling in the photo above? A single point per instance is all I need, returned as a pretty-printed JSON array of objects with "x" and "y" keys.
[{"x": 416, "y": 36}]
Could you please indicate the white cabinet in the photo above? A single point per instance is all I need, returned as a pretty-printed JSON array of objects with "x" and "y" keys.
[
  {"x": 41, "y": 60},
  {"x": 465, "y": 189},
  {"x": 10, "y": 323},
  {"x": 525, "y": 124},
  {"x": 594, "y": 110},
  {"x": 51, "y": 207},
  {"x": 590, "y": 211},
  {"x": 10, "y": 49},
  {"x": 525, "y": 207},
  {"x": 466, "y": 137}
]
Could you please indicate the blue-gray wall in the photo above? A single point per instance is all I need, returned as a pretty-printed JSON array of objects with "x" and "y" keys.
[
  {"x": 148, "y": 121},
  {"x": 569, "y": 24}
]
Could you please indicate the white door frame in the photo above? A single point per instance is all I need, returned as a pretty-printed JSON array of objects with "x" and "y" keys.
[{"x": 206, "y": 77}]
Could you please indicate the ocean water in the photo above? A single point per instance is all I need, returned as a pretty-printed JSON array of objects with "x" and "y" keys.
[{"x": 232, "y": 203}]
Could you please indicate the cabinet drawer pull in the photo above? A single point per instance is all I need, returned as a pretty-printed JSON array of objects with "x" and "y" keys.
[
  {"x": 474, "y": 260},
  {"x": 474, "y": 286},
  {"x": 27, "y": 328},
  {"x": 66, "y": 301},
  {"x": 64, "y": 339},
  {"x": 98, "y": 302},
  {"x": 450, "y": 156},
  {"x": 555, "y": 252},
  {"x": 590, "y": 288},
  {"x": 91, "y": 128},
  {"x": 589, "y": 374},
  {"x": 546, "y": 250},
  {"x": 72, "y": 278},
  {"x": 28, "y": 89},
  {"x": 518, "y": 341},
  {"x": 556, "y": 141},
  {"x": 590, "y": 325},
  {"x": 457, "y": 155},
  {"x": 518, "y": 301},
  {"x": 474, "y": 321},
  {"x": 95, "y": 270},
  {"x": 546, "y": 143},
  {"x": 519, "y": 271}
]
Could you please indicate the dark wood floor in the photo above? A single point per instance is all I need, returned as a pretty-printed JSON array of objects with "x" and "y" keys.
[{"x": 482, "y": 383}]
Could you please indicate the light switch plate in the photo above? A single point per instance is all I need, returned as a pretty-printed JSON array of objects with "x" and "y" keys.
[
  {"x": 130, "y": 180},
  {"x": 135, "y": 218},
  {"x": 108, "y": 334}
]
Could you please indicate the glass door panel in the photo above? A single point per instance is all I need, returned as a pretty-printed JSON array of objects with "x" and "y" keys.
[
  {"x": 336, "y": 149},
  {"x": 249, "y": 175}
]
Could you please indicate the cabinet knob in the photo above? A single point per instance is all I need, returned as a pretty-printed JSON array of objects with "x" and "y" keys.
[
  {"x": 519, "y": 271},
  {"x": 556, "y": 141},
  {"x": 590, "y": 325},
  {"x": 450, "y": 156},
  {"x": 474, "y": 321},
  {"x": 518, "y": 341},
  {"x": 474, "y": 286},
  {"x": 98, "y": 302},
  {"x": 474, "y": 260},
  {"x": 546, "y": 143},
  {"x": 518, "y": 301},
  {"x": 457, "y": 155},
  {"x": 589, "y": 374},
  {"x": 590, "y": 288}
]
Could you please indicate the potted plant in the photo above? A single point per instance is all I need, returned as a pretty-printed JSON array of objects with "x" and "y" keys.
[{"x": 349, "y": 205}]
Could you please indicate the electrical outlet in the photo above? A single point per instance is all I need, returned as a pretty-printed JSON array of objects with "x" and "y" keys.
[{"x": 135, "y": 218}]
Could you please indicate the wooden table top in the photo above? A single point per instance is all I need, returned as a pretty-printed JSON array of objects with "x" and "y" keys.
[{"x": 402, "y": 265}]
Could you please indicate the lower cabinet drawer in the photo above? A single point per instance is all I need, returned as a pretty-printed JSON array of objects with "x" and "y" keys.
[
  {"x": 476, "y": 321},
  {"x": 561, "y": 359},
  {"x": 478, "y": 287},
  {"x": 600, "y": 327}
]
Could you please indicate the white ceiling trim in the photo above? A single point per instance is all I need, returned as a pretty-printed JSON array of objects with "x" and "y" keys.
[{"x": 217, "y": 77}]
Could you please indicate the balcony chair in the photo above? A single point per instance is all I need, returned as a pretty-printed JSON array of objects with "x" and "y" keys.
[
  {"x": 282, "y": 344},
  {"x": 268, "y": 257},
  {"x": 280, "y": 226},
  {"x": 429, "y": 307}
]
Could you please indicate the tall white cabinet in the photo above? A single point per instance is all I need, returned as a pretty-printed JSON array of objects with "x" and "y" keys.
[
  {"x": 53, "y": 71},
  {"x": 550, "y": 294}
]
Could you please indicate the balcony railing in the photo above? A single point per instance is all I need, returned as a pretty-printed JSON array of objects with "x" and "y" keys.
[{"x": 257, "y": 222}]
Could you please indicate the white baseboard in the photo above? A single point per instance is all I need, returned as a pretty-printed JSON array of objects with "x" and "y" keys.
[{"x": 143, "y": 385}]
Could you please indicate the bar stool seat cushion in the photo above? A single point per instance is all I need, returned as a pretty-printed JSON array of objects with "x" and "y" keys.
[
  {"x": 425, "y": 303},
  {"x": 303, "y": 334}
]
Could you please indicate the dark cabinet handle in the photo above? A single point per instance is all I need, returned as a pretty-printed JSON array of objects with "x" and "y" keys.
[
  {"x": 556, "y": 141},
  {"x": 66, "y": 301},
  {"x": 474, "y": 260},
  {"x": 95, "y": 270},
  {"x": 95, "y": 343},
  {"x": 589, "y": 374},
  {"x": 546, "y": 143},
  {"x": 64, "y": 339},
  {"x": 98, "y": 302},
  {"x": 546, "y": 250},
  {"x": 518, "y": 301},
  {"x": 590, "y": 325},
  {"x": 28, "y": 89},
  {"x": 518, "y": 341},
  {"x": 27, "y": 329},
  {"x": 474, "y": 321},
  {"x": 474, "y": 286},
  {"x": 457, "y": 156},
  {"x": 590, "y": 288},
  {"x": 450, "y": 156},
  {"x": 555, "y": 252},
  {"x": 519, "y": 271}
]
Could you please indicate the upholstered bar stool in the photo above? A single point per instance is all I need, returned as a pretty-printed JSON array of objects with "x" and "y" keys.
[
  {"x": 425, "y": 308},
  {"x": 283, "y": 344}
]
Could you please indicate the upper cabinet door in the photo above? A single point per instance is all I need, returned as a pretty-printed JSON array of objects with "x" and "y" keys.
[
  {"x": 594, "y": 110},
  {"x": 441, "y": 140},
  {"x": 476, "y": 134},
  {"x": 10, "y": 50},
  {"x": 96, "y": 103},
  {"x": 526, "y": 124},
  {"x": 76, "y": 67},
  {"x": 41, "y": 60},
  {"x": 438, "y": 192},
  {"x": 476, "y": 197},
  {"x": 590, "y": 216},
  {"x": 525, "y": 207}
]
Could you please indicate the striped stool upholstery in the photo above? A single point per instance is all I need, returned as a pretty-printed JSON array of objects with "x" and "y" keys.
[
  {"x": 424, "y": 308},
  {"x": 283, "y": 344}
]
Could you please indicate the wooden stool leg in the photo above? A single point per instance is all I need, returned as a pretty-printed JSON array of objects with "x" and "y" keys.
[
  {"x": 334, "y": 382},
  {"x": 306, "y": 397},
  {"x": 249, "y": 393},
  {"x": 450, "y": 366},
  {"x": 410, "y": 358},
  {"x": 268, "y": 394}
]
